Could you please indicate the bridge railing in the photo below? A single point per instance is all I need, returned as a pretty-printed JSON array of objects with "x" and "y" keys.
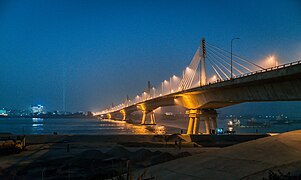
[
  {"x": 257, "y": 72},
  {"x": 271, "y": 69}
]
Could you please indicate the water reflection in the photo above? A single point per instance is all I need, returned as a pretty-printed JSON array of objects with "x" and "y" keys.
[
  {"x": 37, "y": 124},
  {"x": 132, "y": 128},
  {"x": 37, "y": 120},
  {"x": 160, "y": 130}
]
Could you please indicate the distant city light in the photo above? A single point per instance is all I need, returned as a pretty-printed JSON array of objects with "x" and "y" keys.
[{"x": 37, "y": 109}]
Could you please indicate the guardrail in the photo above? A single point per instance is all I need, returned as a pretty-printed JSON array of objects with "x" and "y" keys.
[{"x": 257, "y": 72}]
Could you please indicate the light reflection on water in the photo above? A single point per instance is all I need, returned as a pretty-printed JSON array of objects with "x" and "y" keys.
[
  {"x": 133, "y": 128},
  {"x": 37, "y": 125},
  {"x": 74, "y": 126}
]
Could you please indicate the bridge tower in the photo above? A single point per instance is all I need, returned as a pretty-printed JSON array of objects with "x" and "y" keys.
[{"x": 202, "y": 62}]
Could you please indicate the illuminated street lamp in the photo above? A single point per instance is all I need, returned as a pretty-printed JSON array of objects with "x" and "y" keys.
[
  {"x": 145, "y": 95},
  {"x": 213, "y": 79},
  {"x": 176, "y": 82},
  {"x": 154, "y": 92},
  {"x": 174, "y": 78},
  {"x": 231, "y": 56},
  {"x": 272, "y": 59},
  {"x": 137, "y": 98},
  {"x": 170, "y": 87},
  {"x": 164, "y": 82}
]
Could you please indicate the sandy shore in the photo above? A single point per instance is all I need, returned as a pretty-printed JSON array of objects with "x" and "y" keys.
[
  {"x": 275, "y": 157},
  {"x": 153, "y": 156},
  {"x": 48, "y": 156}
]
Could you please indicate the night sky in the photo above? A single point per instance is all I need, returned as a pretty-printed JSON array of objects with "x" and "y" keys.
[{"x": 102, "y": 51}]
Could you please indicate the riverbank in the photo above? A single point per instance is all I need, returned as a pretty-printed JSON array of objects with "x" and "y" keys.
[
  {"x": 91, "y": 156},
  {"x": 274, "y": 157},
  {"x": 101, "y": 156}
]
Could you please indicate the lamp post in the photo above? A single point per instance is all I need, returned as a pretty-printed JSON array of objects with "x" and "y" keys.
[
  {"x": 273, "y": 60},
  {"x": 170, "y": 87},
  {"x": 154, "y": 92},
  {"x": 231, "y": 56}
]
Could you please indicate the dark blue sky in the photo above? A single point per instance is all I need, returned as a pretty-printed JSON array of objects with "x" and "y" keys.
[{"x": 110, "y": 49}]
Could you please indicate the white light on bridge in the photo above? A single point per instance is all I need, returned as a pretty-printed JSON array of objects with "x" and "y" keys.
[
  {"x": 272, "y": 60},
  {"x": 213, "y": 79}
]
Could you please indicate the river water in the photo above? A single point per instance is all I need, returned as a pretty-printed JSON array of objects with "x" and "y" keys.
[
  {"x": 76, "y": 126},
  {"x": 96, "y": 126}
]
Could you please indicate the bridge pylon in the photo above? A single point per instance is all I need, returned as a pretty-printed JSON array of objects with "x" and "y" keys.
[
  {"x": 202, "y": 63},
  {"x": 206, "y": 115}
]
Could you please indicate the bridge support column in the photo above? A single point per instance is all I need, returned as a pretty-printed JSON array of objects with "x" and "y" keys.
[
  {"x": 210, "y": 120},
  {"x": 143, "y": 117},
  {"x": 109, "y": 116},
  {"x": 194, "y": 121},
  {"x": 195, "y": 116},
  {"x": 196, "y": 125},
  {"x": 190, "y": 125},
  {"x": 213, "y": 121},
  {"x": 123, "y": 114},
  {"x": 207, "y": 125},
  {"x": 152, "y": 117}
]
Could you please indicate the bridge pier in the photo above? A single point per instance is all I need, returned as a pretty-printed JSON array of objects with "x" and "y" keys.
[
  {"x": 193, "y": 123},
  {"x": 210, "y": 120},
  {"x": 123, "y": 112},
  {"x": 152, "y": 117},
  {"x": 195, "y": 115},
  {"x": 109, "y": 116},
  {"x": 207, "y": 125}
]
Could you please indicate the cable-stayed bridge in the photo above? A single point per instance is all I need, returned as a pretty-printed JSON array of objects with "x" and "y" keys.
[{"x": 235, "y": 80}]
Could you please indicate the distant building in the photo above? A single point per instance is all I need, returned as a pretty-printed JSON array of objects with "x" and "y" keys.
[
  {"x": 37, "y": 109},
  {"x": 169, "y": 113},
  {"x": 3, "y": 112}
]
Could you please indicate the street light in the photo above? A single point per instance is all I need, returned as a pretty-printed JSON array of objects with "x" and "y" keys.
[
  {"x": 137, "y": 98},
  {"x": 154, "y": 92},
  {"x": 164, "y": 82},
  {"x": 170, "y": 87},
  {"x": 145, "y": 95},
  {"x": 273, "y": 59},
  {"x": 231, "y": 55}
]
